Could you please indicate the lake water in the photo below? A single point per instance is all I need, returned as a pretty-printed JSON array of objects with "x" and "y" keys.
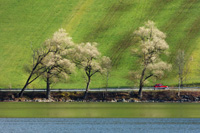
[{"x": 99, "y": 125}]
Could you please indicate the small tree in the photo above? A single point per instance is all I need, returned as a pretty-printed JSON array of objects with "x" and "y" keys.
[
  {"x": 88, "y": 57},
  {"x": 182, "y": 69},
  {"x": 52, "y": 60},
  {"x": 152, "y": 46}
]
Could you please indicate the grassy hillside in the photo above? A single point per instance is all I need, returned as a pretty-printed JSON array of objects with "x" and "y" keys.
[{"x": 26, "y": 23}]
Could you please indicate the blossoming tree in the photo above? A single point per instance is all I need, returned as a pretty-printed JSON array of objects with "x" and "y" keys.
[
  {"x": 88, "y": 57},
  {"x": 52, "y": 61},
  {"x": 151, "y": 46}
]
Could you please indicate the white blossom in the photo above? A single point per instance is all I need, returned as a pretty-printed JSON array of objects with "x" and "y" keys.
[
  {"x": 88, "y": 57},
  {"x": 58, "y": 61},
  {"x": 151, "y": 46}
]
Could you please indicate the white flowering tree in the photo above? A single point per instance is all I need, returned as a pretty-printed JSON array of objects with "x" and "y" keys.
[
  {"x": 151, "y": 46},
  {"x": 52, "y": 61},
  {"x": 88, "y": 57},
  {"x": 57, "y": 65}
]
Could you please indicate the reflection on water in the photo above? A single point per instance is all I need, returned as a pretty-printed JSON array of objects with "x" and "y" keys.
[{"x": 98, "y": 125}]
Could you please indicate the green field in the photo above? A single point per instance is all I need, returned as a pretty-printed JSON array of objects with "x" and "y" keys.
[
  {"x": 99, "y": 110},
  {"x": 107, "y": 22}
]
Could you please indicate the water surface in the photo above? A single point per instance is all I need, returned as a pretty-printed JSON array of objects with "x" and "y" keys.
[{"x": 99, "y": 125}]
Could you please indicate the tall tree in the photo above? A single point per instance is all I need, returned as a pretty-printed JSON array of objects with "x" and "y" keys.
[
  {"x": 57, "y": 65},
  {"x": 88, "y": 57},
  {"x": 151, "y": 46},
  {"x": 52, "y": 60}
]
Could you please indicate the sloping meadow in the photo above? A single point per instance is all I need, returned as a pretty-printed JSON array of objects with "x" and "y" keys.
[{"x": 27, "y": 24}]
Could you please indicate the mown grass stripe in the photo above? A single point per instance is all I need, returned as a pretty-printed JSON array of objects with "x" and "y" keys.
[{"x": 76, "y": 17}]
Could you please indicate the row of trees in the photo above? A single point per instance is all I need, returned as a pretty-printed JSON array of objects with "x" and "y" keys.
[{"x": 59, "y": 57}]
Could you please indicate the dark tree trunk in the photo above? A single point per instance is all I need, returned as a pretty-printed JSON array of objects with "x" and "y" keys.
[
  {"x": 140, "y": 90},
  {"x": 48, "y": 88},
  {"x": 22, "y": 91},
  {"x": 180, "y": 85},
  {"x": 87, "y": 87},
  {"x": 27, "y": 83},
  {"x": 29, "y": 78},
  {"x": 141, "y": 83},
  {"x": 181, "y": 82}
]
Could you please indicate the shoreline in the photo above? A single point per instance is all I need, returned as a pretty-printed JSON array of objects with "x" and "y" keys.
[{"x": 169, "y": 96}]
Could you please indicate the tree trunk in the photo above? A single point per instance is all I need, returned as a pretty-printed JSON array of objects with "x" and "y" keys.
[
  {"x": 22, "y": 91},
  {"x": 179, "y": 86},
  {"x": 140, "y": 90},
  {"x": 181, "y": 82},
  {"x": 141, "y": 84},
  {"x": 87, "y": 87},
  {"x": 48, "y": 88},
  {"x": 105, "y": 93},
  {"x": 29, "y": 78},
  {"x": 27, "y": 83}
]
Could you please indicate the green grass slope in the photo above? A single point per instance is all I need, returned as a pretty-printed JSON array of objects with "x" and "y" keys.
[{"x": 26, "y": 23}]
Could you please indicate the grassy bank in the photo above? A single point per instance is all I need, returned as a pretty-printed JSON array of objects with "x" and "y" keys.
[{"x": 99, "y": 110}]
